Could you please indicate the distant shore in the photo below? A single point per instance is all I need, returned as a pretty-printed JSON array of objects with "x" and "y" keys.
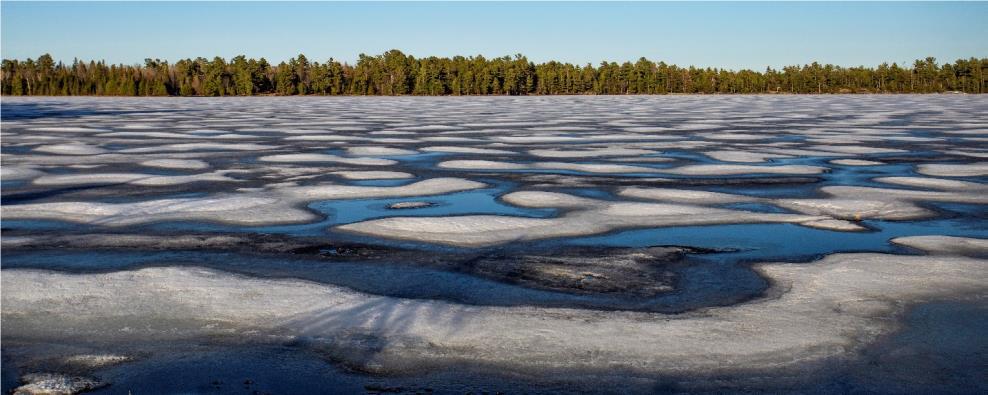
[{"x": 397, "y": 74}]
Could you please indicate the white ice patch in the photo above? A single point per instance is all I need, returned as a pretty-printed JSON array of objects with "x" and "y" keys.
[
  {"x": 932, "y": 183},
  {"x": 855, "y": 203},
  {"x": 855, "y": 149},
  {"x": 739, "y": 136},
  {"x": 71, "y": 129},
  {"x": 131, "y": 178},
  {"x": 172, "y": 135},
  {"x": 10, "y": 173},
  {"x": 713, "y": 170},
  {"x": 684, "y": 195},
  {"x": 200, "y": 147},
  {"x": 71, "y": 149},
  {"x": 307, "y": 158},
  {"x": 244, "y": 210},
  {"x": 581, "y": 167},
  {"x": 373, "y": 175},
  {"x": 481, "y": 165},
  {"x": 450, "y": 139},
  {"x": 855, "y": 162},
  {"x": 589, "y": 153},
  {"x": 466, "y": 150},
  {"x": 191, "y": 164},
  {"x": 378, "y": 151},
  {"x": 56, "y": 384},
  {"x": 428, "y": 128},
  {"x": 742, "y": 156},
  {"x": 594, "y": 167},
  {"x": 951, "y": 170},
  {"x": 83, "y": 179},
  {"x": 945, "y": 244}
]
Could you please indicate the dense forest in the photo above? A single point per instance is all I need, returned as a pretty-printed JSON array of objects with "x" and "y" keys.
[{"x": 395, "y": 73}]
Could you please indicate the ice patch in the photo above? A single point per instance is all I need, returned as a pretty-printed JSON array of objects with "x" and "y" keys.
[
  {"x": 373, "y": 175},
  {"x": 191, "y": 164},
  {"x": 855, "y": 149},
  {"x": 466, "y": 150},
  {"x": 685, "y": 195},
  {"x": 132, "y": 178},
  {"x": 378, "y": 151},
  {"x": 200, "y": 147},
  {"x": 589, "y": 153},
  {"x": 950, "y": 170},
  {"x": 948, "y": 245},
  {"x": 581, "y": 167},
  {"x": 481, "y": 165},
  {"x": 71, "y": 149},
  {"x": 11, "y": 173},
  {"x": 408, "y": 205},
  {"x": 304, "y": 158},
  {"x": 742, "y": 156},
  {"x": 73, "y": 129},
  {"x": 932, "y": 183},
  {"x": 711, "y": 170},
  {"x": 56, "y": 384},
  {"x": 855, "y": 162}
]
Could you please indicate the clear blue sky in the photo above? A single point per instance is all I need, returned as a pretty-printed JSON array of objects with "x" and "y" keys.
[{"x": 732, "y": 35}]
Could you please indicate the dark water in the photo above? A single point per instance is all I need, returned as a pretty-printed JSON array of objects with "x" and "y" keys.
[
  {"x": 939, "y": 350},
  {"x": 9, "y": 374}
]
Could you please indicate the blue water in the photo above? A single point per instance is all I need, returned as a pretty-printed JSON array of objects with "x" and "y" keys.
[
  {"x": 4, "y": 184},
  {"x": 763, "y": 242}
]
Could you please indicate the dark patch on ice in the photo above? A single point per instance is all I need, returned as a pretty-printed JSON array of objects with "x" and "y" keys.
[{"x": 629, "y": 272}]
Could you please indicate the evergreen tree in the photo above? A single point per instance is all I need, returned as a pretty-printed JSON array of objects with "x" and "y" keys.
[{"x": 395, "y": 73}]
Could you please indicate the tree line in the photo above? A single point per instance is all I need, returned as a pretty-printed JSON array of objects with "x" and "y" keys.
[{"x": 395, "y": 73}]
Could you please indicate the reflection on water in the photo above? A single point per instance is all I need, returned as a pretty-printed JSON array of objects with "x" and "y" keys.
[{"x": 784, "y": 241}]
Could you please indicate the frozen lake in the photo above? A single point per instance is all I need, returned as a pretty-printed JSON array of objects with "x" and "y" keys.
[{"x": 517, "y": 244}]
